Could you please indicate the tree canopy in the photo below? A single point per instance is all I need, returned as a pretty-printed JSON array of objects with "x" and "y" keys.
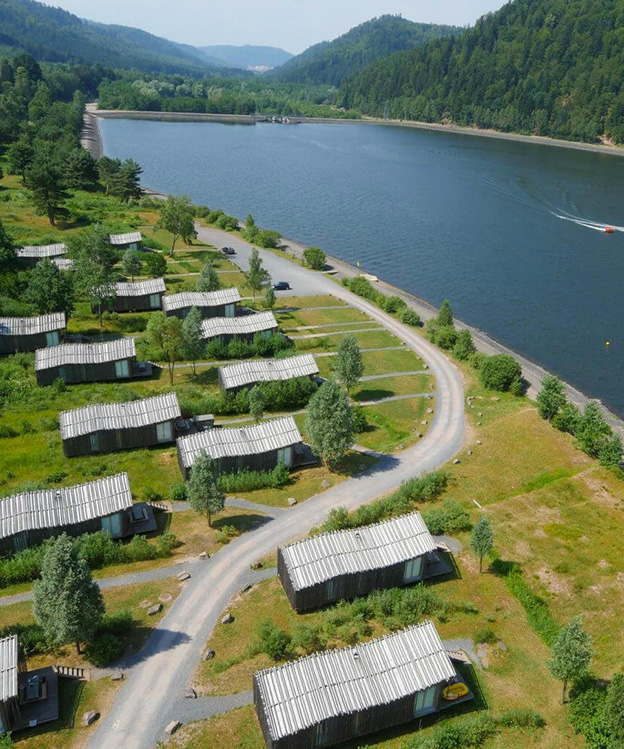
[
  {"x": 204, "y": 495},
  {"x": 177, "y": 216},
  {"x": 329, "y": 423}
]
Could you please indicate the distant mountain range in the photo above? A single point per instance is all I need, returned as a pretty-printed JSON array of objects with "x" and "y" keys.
[
  {"x": 247, "y": 56},
  {"x": 335, "y": 61}
]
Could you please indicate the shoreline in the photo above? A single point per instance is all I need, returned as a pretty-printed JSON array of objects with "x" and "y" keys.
[
  {"x": 248, "y": 119},
  {"x": 533, "y": 372}
]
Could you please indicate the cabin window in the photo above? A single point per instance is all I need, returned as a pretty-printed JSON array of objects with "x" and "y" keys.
[
  {"x": 154, "y": 301},
  {"x": 133, "y": 246},
  {"x": 423, "y": 703},
  {"x": 164, "y": 432},
  {"x": 122, "y": 369},
  {"x": 94, "y": 443},
  {"x": 412, "y": 570},
  {"x": 322, "y": 734},
  {"x": 332, "y": 590},
  {"x": 229, "y": 310},
  {"x": 284, "y": 455},
  {"x": 63, "y": 373},
  {"x": 2, "y": 726},
  {"x": 112, "y": 524},
  {"x": 52, "y": 339}
]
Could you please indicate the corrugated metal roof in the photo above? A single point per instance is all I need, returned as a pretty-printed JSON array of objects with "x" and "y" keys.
[
  {"x": 267, "y": 370},
  {"x": 187, "y": 299},
  {"x": 105, "y": 416},
  {"x": 216, "y": 326},
  {"x": 249, "y": 440},
  {"x": 32, "y": 325},
  {"x": 70, "y": 505},
  {"x": 84, "y": 353},
  {"x": 63, "y": 263},
  {"x": 127, "y": 238},
  {"x": 328, "y": 555},
  {"x": 341, "y": 682},
  {"x": 43, "y": 250},
  {"x": 9, "y": 659},
  {"x": 141, "y": 288}
]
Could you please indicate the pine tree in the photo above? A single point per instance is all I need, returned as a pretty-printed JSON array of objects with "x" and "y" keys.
[
  {"x": 256, "y": 403},
  {"x": 208, "y": 278},
  {"x": 482, "y": 539},
  {"x": 464, "y": 346},
  {"x": 329, "y": 423},
  {"x": 68, "y": 604},
  {"x": 131, "y": 263},
  {"x": 257, "y": 276},
  {"x": 193, "y": 343},
  {"x": 348, "y": 364},
  {"x": 45, "y": 180},
  {"x": 592, "y": 431},
  {"x": 204, "y": 495},
  {"x": 445, "y": 314},
  {"x": 551, "y": 397},
  {"x": 571, "y": 653}
]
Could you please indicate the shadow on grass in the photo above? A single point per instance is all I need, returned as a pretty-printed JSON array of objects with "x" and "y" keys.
[
  {"x": 206, "y": 376},
  {"x": 374, "y": 394}
]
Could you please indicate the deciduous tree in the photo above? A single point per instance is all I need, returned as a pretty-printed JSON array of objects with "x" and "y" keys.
[
  {"x": 93, "y": 267},
  {"x": 193, "y": 344},
  {"x": 257, "y": 276},
  {"x": 204, "y": 495},
  {"x": 571, "y": 653},
  {"x": 348, "y": 365},
  {"x": 177, "y": 216},
  {"x": 592, "y": 431},
  {"x": 314, "y": 258},
  {"x": 68, "y": 604},
  {"x": 50, "y": 289},
  {"x": 166, "y": 333},
  {"x": 482, "y": 539},
  {"x": 329, "y": 423},
  {"x": 256, "y": 403},
  {"x": 131, "y": 263},
  {"x": 269, "y": 298},
  {"x": 613, "y": 711}
]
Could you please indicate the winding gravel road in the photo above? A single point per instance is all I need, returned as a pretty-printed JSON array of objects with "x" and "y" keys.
[{"x": 152, "y": 694}]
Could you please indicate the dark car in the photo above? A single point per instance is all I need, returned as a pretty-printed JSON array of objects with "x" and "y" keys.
[
  {"x": 228, "y": 251},
  {"x": 281, "y": 286}
]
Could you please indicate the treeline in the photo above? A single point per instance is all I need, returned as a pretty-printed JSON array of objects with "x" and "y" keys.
[
  {"x": 333, "y": 62},
  {"x": 215, "y": 95},
  {"x": 546, "y": 67}
]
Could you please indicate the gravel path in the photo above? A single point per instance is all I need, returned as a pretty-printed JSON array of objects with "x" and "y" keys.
[{"x": 164, "y": 668}]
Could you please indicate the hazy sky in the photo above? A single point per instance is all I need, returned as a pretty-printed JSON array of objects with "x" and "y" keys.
[{"x": 290, "y": 24}]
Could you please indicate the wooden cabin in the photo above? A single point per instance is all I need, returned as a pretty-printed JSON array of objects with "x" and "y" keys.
[
  {"x": 344, "y": 564},
  {"x": 89, "y": 362},
  {"x": 32, "y": 254},
  {"x": 19, "y": 334},
  {"x": 139, "y": 296},
  {"x": 220, "y": 303},
  {"x": 244, "y": 374},
  {"x": 337, "y": 695},
  {"x": 128, "y": 241},
  {"x": 63, "y": 263},
  {"x": 244, "y": 327},
  {"x": 30, "y": 518},
  {"x": 108, "y": 427},
  {"x": 27, "y": 698},
  {"x": 258, "y": 447}
]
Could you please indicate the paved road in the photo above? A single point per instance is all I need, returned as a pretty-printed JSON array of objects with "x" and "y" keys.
[{"x": 150, "y": 697}]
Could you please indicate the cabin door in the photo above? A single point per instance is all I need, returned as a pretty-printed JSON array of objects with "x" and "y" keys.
[
  {"x": 413, "y": 569},
  {"x": 284, "y": 455},
  {"x": 229, "y": 310},
  {"x": 424, "y": 702},
  {"x": 154, "y": 301},
  {"x": 52, "y": 339},
  {"x": 122, "y": 369},
  {"x": 164, "y": 432},
  {"x": 94, "y": 442},
  {"x": 112, "y": 524}
]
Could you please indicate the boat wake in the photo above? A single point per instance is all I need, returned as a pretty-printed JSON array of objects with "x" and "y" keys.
[{"x": 588, "y": 223}]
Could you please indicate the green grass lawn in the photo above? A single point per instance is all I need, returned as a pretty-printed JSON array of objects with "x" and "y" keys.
[
  {"x": 378, "y": 362},
  {"x": 367, "y": 339},
  {"x": 386, "y": 387},
  {"x": 302, "y": 302},
  {"x": 305, "y": 317},
  {"x": 395, "y": 425}
]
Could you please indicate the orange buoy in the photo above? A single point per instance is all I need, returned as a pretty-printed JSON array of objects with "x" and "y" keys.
[{"x": 609, "y": 230}]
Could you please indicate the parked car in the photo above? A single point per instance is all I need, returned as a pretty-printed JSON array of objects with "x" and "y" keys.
[
  {"x": 281, "y": 286},
  {"x": 228, "y": 251}
]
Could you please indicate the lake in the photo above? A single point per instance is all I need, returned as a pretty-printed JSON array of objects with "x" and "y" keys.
[{"x": 509, "y": 232}]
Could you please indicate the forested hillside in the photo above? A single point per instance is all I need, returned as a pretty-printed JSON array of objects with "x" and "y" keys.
[
  {"x": 333, "y": 62},
  {"x": 548, "y": 67},
  {"x": 54, "y": 35}
]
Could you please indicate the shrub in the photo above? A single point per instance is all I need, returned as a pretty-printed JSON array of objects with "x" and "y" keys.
[
  {"x": 104, "y": 649},
  {"x": 499, "y": 372},
  {"x": 446, "y": 337},
  {"x": 486, "y": 635},
  {"x": 466, "y": 732},
  {"x": 464, "y": 346},
  {"x": 586, "y": 710},
  {"x": 449, "y": 517},
  {"x": 49, "y": 423},
  {"x": 31, "y": 637},
  {"x": 268, "y": 238},
  {"x": 409, "y": 317},
  {"x": 314, "y": 258},
  {"x": 394, "y": 304},
  {"x": 151, "y": 495},
  {"x": 567, "y": 419},
  {"x": 156, "y": 264},
  {"x": 360, "y": 422},
  {"x": 225, "y": 534},
  {"x": 273, "y": 641},
  {"x": 521, "y": 719},
  {"x": 307, "y": 638},
  {"x": 178, "y": 493},
  {"x": 7, "y": 432},
  {"x": 248, "y": 480}
]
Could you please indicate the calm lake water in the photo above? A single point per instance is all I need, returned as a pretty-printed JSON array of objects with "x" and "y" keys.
[{"x": 504, "y": 230}]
